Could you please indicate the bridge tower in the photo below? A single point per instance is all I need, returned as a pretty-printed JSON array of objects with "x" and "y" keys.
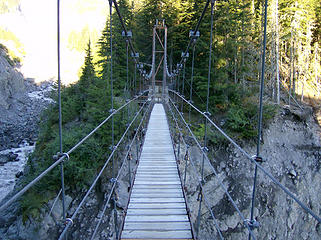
[{"x": 159, "y": 56}]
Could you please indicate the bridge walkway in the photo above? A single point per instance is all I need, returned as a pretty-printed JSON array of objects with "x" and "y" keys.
[{"x": 157, "y": 208}]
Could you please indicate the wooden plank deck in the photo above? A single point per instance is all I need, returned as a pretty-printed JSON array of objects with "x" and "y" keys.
[{"x": 157, "y": 208}]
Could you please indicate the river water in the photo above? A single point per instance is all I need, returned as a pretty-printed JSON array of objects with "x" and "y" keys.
[{"x": 9, "y": 170}]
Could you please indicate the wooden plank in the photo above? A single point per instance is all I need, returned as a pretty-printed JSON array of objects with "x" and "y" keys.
[
  {"x": 158, "y": 218},
  {"x": 169, "y": 234},
  {"x": 158, "y": 190},
  {"x": 157, "y": 225},
  {"x": 157, "y": 186},
  {"x": 157, "y": 175},
  {"x": 157, "y": 167},
  {"x": 156, "y": 200},
  {"x": 156, "y": 205},
  {"x": 157, "y": 182},
  {"x": 157, "y": 211},
  {"x": 156, "y": 164},
  {"x": 156, "y": 179},
  {"x": 157, "y": 195}
]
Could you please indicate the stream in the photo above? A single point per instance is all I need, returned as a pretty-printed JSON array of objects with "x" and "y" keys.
[{"x": 12, "y": 168}]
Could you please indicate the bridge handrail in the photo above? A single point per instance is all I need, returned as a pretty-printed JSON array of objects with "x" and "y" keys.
[
  {"x": 276, "y": 182},
  {"x": 101, "y": 171},
  {"x": 121, "y": 168},
  {"x": 65, "y": 155},
  {"x": 197, "y": 174},
  {"x": 214, "y": 171}
]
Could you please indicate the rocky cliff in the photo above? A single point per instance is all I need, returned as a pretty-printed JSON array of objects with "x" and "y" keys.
[
  {"x": 11, "y": 80},
  {"x": 21, "y": 102},
  {"x": 291, "y": 151}
]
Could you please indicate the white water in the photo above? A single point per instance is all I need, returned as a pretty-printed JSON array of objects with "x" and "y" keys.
[{"x": 9, "y": 170}]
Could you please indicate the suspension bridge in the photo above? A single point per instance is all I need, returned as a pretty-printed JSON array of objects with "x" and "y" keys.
[{"x": 156, "y": 155}]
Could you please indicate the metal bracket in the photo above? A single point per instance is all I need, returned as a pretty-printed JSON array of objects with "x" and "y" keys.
[
  {"x": 111, "y": 148},
  {"x": 205, "y": 149},
  {"x": 69, "y": 220},
  {"x": 129, "y": 34},
  {"x": 200, "y": 194},
  {"x": 185, "y": 55},
  {"x": 58, "y": 155},
  {"x": 135, "y": 55},
  {"x": 113, "y": 180},
  {"x": 194, "y": 35},
  {"x": 207, "y": 114},
  {"x": 258, "y": 159},
  {"x": 252, "y": 223}
]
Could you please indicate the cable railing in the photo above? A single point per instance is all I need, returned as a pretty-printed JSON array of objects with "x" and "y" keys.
[
  {"x": 183, "y": 174},
  {"x": 201, "y": 179},
  {"x": 252, "y": 159},
  {"x": 114, "y": 179}
]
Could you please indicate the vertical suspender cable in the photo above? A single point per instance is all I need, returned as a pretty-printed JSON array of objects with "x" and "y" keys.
[
  {"x": 208, "y": 83},
  {"x": 60, "y": 117},
  {"x": 127, "y": 77},
  {"x": 112, "y": 107},
  {"x": 111, "y": 79},
  {"x": 135, "y": 69},
  {"x": 183, "y": 83},
  {"x": 259, "y": 134},
  {"x": 191, "y": 87},
  {"x": 200, "y": 197}
]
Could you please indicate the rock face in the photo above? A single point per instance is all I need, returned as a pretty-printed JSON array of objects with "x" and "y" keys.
[
  {"x": 11, "y": 81},
  {"x": 21, "y": 102},
  {"x": 291, "y": 153}
]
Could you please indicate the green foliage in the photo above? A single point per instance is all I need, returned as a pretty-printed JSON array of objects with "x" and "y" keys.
[{"x": 30, "y": 205}]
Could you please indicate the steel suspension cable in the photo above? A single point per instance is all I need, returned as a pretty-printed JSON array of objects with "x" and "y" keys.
[
  {"x": 197, "y": 27},
  {"x": 183, "y": 83},
  {"x": 191, "y": 85},
  {"x": 274, "y": 180},
  {"x": 213, "y": 169},
  {"x": 208, "y": 83},
  {"x": 259, "y": 134},
  {"x": 111, "y": 79},
  {"x": 100, "y": 173},
  {"x": 60, "y": 115},
  {"x": 124, "y": 28},
  {"x": 119, "y": 172}
]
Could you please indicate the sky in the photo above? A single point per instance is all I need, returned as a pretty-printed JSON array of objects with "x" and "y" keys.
[{"x": 35, "y": 24}]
